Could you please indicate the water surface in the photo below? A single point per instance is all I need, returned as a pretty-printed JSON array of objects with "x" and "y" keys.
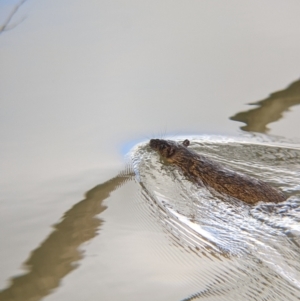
[
  {"x": 81, "y": 84},
  {"x": 263, "y": 239}
]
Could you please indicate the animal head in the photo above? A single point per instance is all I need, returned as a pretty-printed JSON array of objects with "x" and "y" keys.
[{"x": 166, "y": 148}]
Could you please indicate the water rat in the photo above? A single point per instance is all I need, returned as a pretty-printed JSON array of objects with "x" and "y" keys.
[{"x": 203, "y": 170}]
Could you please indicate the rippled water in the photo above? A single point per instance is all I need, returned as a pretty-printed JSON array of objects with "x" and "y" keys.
[
  {"x": 261, "y": 242},
  {"x": 82, "y": 80}
]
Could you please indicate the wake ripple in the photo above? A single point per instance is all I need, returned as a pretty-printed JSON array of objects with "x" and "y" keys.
[{"x": 261, "y": 243}]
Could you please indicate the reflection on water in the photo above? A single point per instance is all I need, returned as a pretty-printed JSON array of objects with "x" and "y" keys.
[
  {"x": 270, "y": 109},
  {"x": 261, "y": 242},
  {"x": 148, "y": 59},
  {"x": 7, "y": 22},
  {"x": 251, "y": 252},
  {"x": 58, "y": 254}
]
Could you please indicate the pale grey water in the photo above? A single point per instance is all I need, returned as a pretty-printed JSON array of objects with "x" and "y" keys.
[{"x": 82, "y": 82}]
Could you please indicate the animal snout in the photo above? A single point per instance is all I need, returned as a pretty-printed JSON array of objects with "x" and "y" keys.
[{"x": 154, "y": 143}]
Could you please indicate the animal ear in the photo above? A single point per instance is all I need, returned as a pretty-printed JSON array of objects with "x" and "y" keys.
[
  {"x": 171, "y": 151},
  {"x": 186, "y": 142}
]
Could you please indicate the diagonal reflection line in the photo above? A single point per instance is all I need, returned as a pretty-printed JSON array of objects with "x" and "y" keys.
[
  {"x": 270, "y": 109},
  {"x": 4, "y": 27},
  {"x": 57, "y": 255}
]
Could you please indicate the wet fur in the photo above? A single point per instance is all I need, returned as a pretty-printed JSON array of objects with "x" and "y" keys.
[{"x": 205, "y": 171}]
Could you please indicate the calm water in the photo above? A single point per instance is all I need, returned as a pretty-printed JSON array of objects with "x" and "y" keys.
[{"x": 83, "y": 84}]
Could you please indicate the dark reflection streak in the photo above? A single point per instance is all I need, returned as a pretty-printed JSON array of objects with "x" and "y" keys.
[
  {"x": 270, "y": 109},
  {"x": 57, "y": 255},
  {"x": 256, "y": 120},
  {"x": 5, "y": 27}
]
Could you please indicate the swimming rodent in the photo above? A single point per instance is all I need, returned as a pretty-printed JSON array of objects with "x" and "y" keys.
[{"x": 203, "y": 170}]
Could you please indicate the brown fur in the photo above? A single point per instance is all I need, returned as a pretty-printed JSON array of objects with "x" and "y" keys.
[{"x": 205, "y": 171}]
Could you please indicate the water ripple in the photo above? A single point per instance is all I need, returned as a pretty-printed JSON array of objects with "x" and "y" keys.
[{"x": 261, "y": 242}]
